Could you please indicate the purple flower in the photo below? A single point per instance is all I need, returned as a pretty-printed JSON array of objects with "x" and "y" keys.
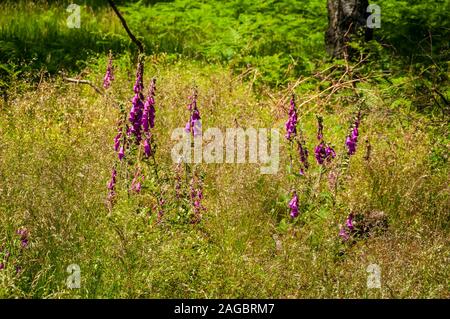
[
  {"x": 112, "y": 181},
  {"x": 194, "y": 125},
  {"x": 352, "y": 138},
  {"x": 351, "y": 145},
  {"x": 324, "y": 152},
  {"x": 355, "y": 134},
  {"x": 293, "y": 205},
  {"x": 2, "y": 266},
  {"x": 147, "y": 148},
  {"x": 24, "y": 243},
  {"x": 303, "y": 152},
  {"x": 137, "y": 187},
  {"x": 135, "y": 183},
  {"x": 329, "y": 152},
  {"x": 121, "y": 153},
  {"x": 137, "y": 109},
  {"x": 139, "y": 84},
  {"x": 320, "y": 153},
  {"x": 343, "y": 234},
  {"x": 23, "y": 233},
  {"x": 135, "y": 117},
  {"x": 193, "y": 104},
  {"x": 196, "y": 198},
  {"x": 349, "y": 221},
  {"x": 148, "y": 117},
  {"x": 346, "y": 229},
  {"x": 109, "y": 73},
  {"x": 117, "y": 141},
  {"x": 291, "y": 124}
]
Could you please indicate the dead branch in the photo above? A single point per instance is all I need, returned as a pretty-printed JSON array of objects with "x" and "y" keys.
[
  {"x": 127, "y": 29},
  {"x": 78, "y": 81}
]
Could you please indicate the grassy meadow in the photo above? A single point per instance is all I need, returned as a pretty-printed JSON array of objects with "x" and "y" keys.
[{"x": 245, "y": 59}]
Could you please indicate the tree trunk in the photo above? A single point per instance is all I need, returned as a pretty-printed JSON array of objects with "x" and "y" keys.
[{"x": 346, "y": 21}]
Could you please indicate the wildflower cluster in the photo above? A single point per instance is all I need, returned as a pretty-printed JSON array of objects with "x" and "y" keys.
[
  {"x": 134, "y": 142},
  {"x": 323, "y": 153}
]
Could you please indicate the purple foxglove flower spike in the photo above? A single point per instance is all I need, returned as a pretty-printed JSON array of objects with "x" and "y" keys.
[
  {"x": 112, "y": 181},
  {"x": 194, "y": 125},
  {"x": 352, "y": 138},
  {"x": 303, "y": 152},
  {"x": 148, "y": 117},
  {"x": 291, "y": 124},
  {"x": 109, "y": 77},
  {"x": 323, "y": 151},
  {"x": 293, "y": 205}
]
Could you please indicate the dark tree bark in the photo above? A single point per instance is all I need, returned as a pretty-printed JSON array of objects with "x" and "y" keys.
[{"x": 346, "y": 20}]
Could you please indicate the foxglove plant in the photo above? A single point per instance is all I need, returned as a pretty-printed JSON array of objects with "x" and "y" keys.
[
  {"x": 196, "y": 198},
  {"x": 112, "y": 185},
  {"x": 291, "y": 124},
  {"x": 136, "y": 111},
  {"x": 319, "y": 128},
  {"x": 293, "y": 205},
  {"x": 194, "y": 124},
  {"x": 148, "y": 117},
  {"x": 303, "y": 152},
  {"x": 109, "y": 76},
  {"x": 147, "y": 147},
  {"x": 352, "y": 137},
  {"x": 323, "y": 152},
  {"x": 136, "y": 182}
]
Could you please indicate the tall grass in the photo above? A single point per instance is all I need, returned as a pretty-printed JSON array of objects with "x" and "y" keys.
[{"x": 55, "y": 155}]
